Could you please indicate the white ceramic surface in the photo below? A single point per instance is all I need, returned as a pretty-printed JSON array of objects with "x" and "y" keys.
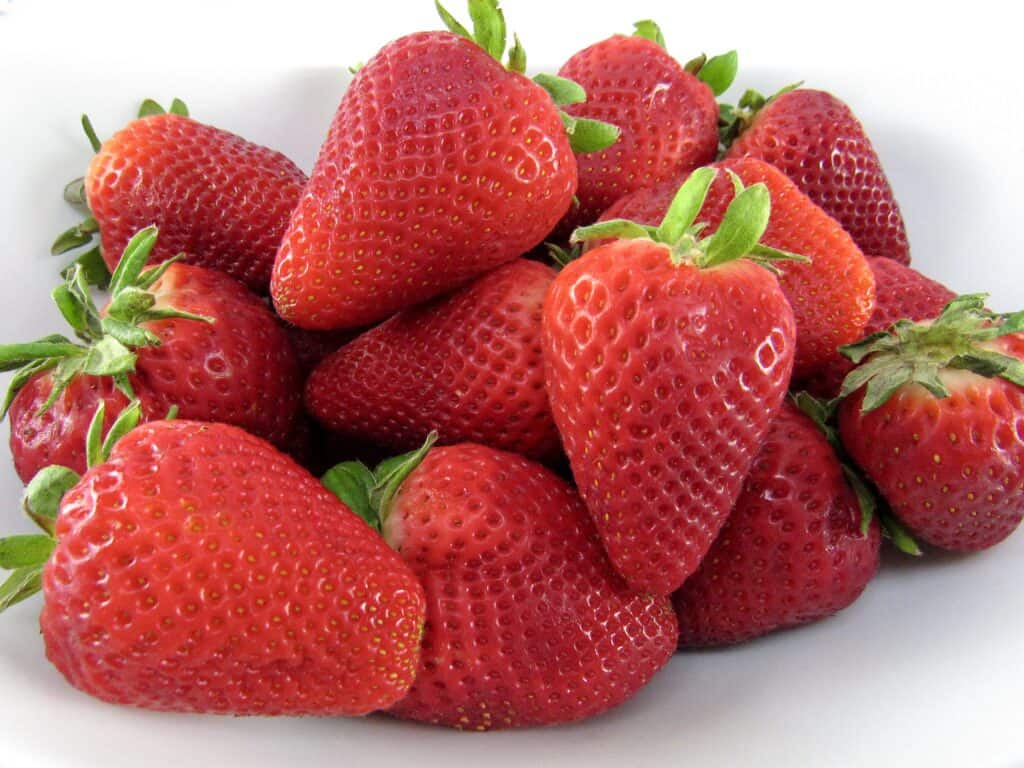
[{"x": 925, "y": 670}]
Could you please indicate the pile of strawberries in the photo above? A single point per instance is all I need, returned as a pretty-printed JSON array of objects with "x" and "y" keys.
[{"x": 657, "y": 371}]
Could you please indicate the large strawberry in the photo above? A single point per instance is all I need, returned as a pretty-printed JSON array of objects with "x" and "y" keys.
[
  {"x": 527, "y": 622},
  {"x": 816, "y": 140},
  {"x": 468, "y": 366},
  {"x": 793, "y": 549},
  {"x": 195, "y": 568},
  {"x": 667, "y": 357},
  {"x": 933, "y": 415},
  {"x": 666, "y": 113},
  {"x": 216, "y": 197},
  {"x": 174, "y": 336},
  {"x": 832, "y": 296},
  {"x": 440, "y": 164}
]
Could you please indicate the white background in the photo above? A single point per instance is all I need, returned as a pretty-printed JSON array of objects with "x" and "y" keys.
[{"x": 926, "y": 670}]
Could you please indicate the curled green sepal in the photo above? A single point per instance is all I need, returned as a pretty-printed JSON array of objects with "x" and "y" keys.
[
  {"x": 561, "y": 89},
  {"x": 718, "y": 72},
  {"x": 20, "y": 585},
  {"x": 75, "y": 237},
  {"x": 489, "y": 30},
  {"x": 918, "y": 353},
  {"x": 150, "y": 107},
  {"x": 649, "y": 29},
  {"x": 42, "y": 496},
  {"x": 586, "y": 135},
  {"x": 894, "y": 531}
]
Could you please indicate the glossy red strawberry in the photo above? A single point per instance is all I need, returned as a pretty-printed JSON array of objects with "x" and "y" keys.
[
  {"x": 666, "y": 360},
  {"x": 792, "y": 551},
  {"x": 223, "y": 201},
  {"x": 440, "y": 165},
  {"x": 527, "y": 622},
  {"x": 933, "y": 414},
  {"x": 832, "y": 296},
  {"x": 236, "y": 366},
  {"x": 667, "y": 116},
  {"x": 468, "y": 365},
  {"x": 817, "y": 141},
  {"x": 198, "y": 569}
]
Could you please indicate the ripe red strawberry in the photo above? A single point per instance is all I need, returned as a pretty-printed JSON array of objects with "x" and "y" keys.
[
  {"x": 901, "y": 292},
  {"x": 218, "y": 198},
  {"x": 198, "y": 569},
  {"x": 666, "y": 360},
  {"x": 440, "y": 165},
  {"x": 933, "y": 415},
  {"x": 815, "y": 139},
  {"x": 832, "y": 296},
  {"x": 527, "y": 621},
  {"x": 667, "y": 115},
  {"x": 236, "y": 367},
  {"x": 793, "y": 549},
  {"x": 468, "y": 365}
]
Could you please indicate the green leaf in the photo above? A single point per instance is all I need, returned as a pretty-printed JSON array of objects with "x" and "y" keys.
[
  {"x": 586, "y": 135},
  {"x": 94, "y": 268},
  {"x": 744, "y": 223},
  {"x": 989, "y": 363},
  {"x": 178, "y": 107},
  {"x": 562, "y": 256},
  {"x": 451, "y": 22},
  {"x": 75, "y": 237},
  {"x": 883, "y": 385},
  {"x": 94, "y": 438},
  {"x": 90, "y": 134},
  {"x": 74, "y": 192},
  {"x": 650, "y": 30},
  {"x": 71, "y": 308},
  {"x": 22, "y": 584},
  {"x": 392, "y": 473},
  {"x": 719, "y": 72},
  {"x": 127, "y": 420},
  {"x": 562, "y": 90},
  {"x": 134, "y": 258},
  {"x": 107, "y": 357},
  {"x": 25, "y": 550},
  {"x": 42, "y": 496},
  {"x": 686, "y": 205},
  {"x": 130, "y": 334},
  {"x": 352, "y": 482},
  {"x": 150, "y": 107},
  {"x": 893, "y": 530},
  {"x": 866, "y": 499},
  {"x": 20, "y": 379},
  {"x": 488, "y": 26},
  {"x": 129, "y": 303},
  {"x": 517, "y": 56},
  {"x": 16, "y": 355},
  {"x": 751, "y": 100},
  {"x": 621, "y": 229}
]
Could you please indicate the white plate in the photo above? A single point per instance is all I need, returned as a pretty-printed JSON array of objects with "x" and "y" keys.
[{"x": 926, "y": 669}]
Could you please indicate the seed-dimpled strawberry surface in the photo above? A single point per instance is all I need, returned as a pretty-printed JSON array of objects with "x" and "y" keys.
[
  {"x": 662, "y": 379},
  {"x": 216, "y": 197},
  {"x": 201, "y": 570},
  {"x": 469, "y": 366},
  {"x": 527, "y": 622},
  {"x": 791, "y": 551},
  {"x": 440, "y": 164}
]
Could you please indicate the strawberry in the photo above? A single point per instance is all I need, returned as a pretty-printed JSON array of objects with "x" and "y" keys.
[
  {"x": 216, "y": 197},
  {"x": 195, "y": 568},
  {"x": 901, "y": 292},
  {"x": 468, "y": 365},
  {"x": 666, "y": 113},
  {"x": 793, "y": 549},
  {"x": 174, "y": 336},
  {"x": 666, "y": 358},
  {"x": 440, "y": 165},
  {"x": 527, "y": 622},
  {"x": 815, "y": 139},
  {"x": 933, "y": 415},
  {"x": 832, "y": 296},
  {"x": 313, "y": 347}
]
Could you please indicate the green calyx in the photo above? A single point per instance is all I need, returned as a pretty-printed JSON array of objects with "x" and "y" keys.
[
  {"x": 738, "y": 236},
  {"x": 734, "y": 120},
  {"x": 917, "y": 353},
  {"x": 26, "y": 555},
  {"x": 370, "y": 492},
  {"x": 106, "y": 342},
  {"x": 489, "y": 32},
  {"x": 869, "y": 500},
  {"x": 717, "y": 72}
]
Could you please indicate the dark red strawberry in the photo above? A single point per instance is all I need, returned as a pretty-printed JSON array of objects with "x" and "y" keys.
[
  {"x": 666, "y": 360},
  {"x": 815, "y": 139},
  {"x": 793, "y": 549},
  {"x": 527, "y": 621},
  {"x": 220, "y": 199},
  {"x": 832, "y": 296},
  {"x": 440, "y": 165},
  {"x": 198, "y": 569},
  {"x": 667, "y": 115},
  {"x": 232, "y": 364},
  {"x": 313, "y": 347},
  {"x": 933, "y": 414},
  {"x": 468, "y": 365}
]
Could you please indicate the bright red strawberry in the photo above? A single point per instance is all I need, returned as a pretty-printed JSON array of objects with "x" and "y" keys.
[
  {"x": 667, "y": 116},
  {"x": 236, "y": 366},
  {"x": 527, "y": 621},
  {"x": 832, "y": 296},
  {"x": 216, "y": 197},
  {"x": 792, "y": 551},
  {"x": 440, "y": 165},
  {"x": 468, "y": 365},
  {"x": 815, "y": 139},
  {"x": 666, "y": 360},
  {"x": 198, "y": 569},
  {"x": 933, "y": 415},
  {"x": 900, "y": 292}
]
